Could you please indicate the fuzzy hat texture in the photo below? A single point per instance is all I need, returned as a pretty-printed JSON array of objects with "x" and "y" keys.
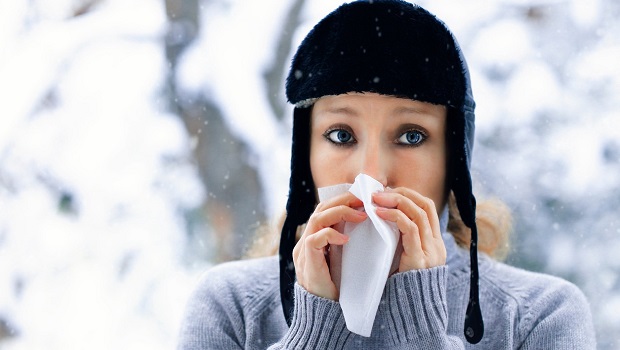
[{"x": 390, "y": 47}]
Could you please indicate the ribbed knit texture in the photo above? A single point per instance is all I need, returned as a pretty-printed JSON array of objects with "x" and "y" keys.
[
  {"x": 237, "y": 306},
  {"x": 417, "y": 305}
]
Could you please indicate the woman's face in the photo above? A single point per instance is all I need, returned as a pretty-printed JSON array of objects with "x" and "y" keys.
[{"x": 399, "y": 142}]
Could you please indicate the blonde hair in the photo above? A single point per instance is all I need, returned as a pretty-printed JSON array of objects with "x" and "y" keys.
[
  {"x": 494, "y": 222},
  {"x": 267, "y": 239},
  {"x": 493, "y": 219}
]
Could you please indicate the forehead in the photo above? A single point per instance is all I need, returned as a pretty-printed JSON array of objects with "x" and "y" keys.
[{"x": 356, "y": 104}]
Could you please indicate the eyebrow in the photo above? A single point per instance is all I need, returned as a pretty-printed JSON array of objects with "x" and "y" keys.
[
  {"x": 342, "y": 110},
  {"x": 411, "y": 110},
  {"x": 403, "y": 110}
]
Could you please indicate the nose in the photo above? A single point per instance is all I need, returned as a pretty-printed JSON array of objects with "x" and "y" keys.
[{"x": 374, "y": 163}]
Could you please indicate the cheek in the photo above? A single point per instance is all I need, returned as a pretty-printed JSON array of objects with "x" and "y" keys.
[
  {"x": 424, "y": 173},
  {"x": 317, "y": 163},
  {"x": 316, "y": 168},
  {"x": 329, "y": 165},
  {"x": 437, "y": 184}
]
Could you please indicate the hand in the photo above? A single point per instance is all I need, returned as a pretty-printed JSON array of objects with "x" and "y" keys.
[
  {"x": 418, "y": 223},
  {"x": 309, "y": 253}
]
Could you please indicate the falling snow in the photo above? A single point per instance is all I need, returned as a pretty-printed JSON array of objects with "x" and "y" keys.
[{"x": 98, "y": 183}]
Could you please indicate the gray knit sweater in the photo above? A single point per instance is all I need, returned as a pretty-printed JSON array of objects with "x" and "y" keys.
[{"x": 237, "y": 306}]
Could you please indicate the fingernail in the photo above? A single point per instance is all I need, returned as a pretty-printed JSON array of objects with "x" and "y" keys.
[
  {"x": 361, "y": 213},
  {"x": 381, "y": 209}
]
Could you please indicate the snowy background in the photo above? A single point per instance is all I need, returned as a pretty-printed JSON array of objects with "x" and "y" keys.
[{"x": 136, "y": 136}]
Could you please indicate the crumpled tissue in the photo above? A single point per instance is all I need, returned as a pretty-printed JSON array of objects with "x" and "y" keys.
[{"x": 361, "y": 267}]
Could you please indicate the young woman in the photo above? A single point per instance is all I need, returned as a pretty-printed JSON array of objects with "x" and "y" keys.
[{"x": 381, "y": 88}]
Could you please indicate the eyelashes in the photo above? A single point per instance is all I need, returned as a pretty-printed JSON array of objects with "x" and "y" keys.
[
  {"x": 339, "y": 137},
  {"x": 412, "y": 138},
  {"x": 408, "y": 136}
]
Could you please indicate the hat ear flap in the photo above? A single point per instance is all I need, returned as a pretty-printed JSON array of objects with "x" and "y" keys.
[
  {"x": 299, "y": 207},
  {"x": 459, "y": 134}
]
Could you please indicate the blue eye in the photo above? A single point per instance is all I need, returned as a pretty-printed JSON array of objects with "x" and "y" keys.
[
  {"x": 412, "y": 138},
  {"x": 340, "y": 136}
]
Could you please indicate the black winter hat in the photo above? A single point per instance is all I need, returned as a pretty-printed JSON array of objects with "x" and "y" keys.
[{"x": 394, "y": 48}]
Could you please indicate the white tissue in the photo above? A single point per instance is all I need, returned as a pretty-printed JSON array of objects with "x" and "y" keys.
[{"x": 361, "y": 267}]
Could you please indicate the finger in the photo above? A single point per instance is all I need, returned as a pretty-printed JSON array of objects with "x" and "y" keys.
[
  {"x": 299, "y": 263},
  {"x": 427, "y": 204},
  {"x": 416, "y": 254},
  {"x": 315, "y": 268},
  {"x": 314, "y": 251},
  {"x": 332, "y": 216},
  {"x": 347, "y": 199},
  {"x": 315, "y": 243},
  {"x": 413, "y": 256},
  {"x": 412, "y": 211},
  {"x": 419, "y": 201},
  {"x": 319, "y": 219},
  {"x": 317, "y": 222},
  {"x": 410, "y": 232},
  {"x": 402, "y": 221},
  {"x": 298, "y": 245}
]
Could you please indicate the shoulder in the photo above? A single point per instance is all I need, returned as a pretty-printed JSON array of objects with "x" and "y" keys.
[
  {"x": 239, "y": 271},
  {"x": 242, "y": 279},
  {"x": 236, "y": 290},
  {"x": 540, "y": 302},
  {"x": 509, "y": 292},
  {"x": 529, "y": 287},
  {"x": 227, "y": 299}
]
